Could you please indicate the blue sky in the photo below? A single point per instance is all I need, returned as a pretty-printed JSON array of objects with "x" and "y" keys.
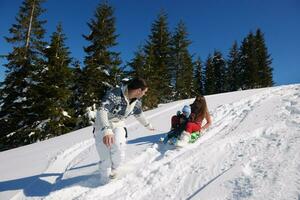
[{"x": 211, "y": 24}]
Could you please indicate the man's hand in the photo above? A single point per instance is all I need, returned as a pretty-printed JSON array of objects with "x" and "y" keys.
[
  {"x": 150, "y": 127},
  {"x": 108, "y": 140}
]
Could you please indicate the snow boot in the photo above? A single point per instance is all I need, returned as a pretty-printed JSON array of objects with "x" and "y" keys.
[
  {"x": 184, "y": 139},
  {"x": 113, "y": 174}
]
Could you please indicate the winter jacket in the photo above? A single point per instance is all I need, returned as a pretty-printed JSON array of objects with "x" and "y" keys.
[
  {"x": 178, "y": 120},
  {"x": 115, "y": 108}
]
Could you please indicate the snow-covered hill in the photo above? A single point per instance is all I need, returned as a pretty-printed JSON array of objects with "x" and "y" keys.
[{"x": 252, "y": 151}]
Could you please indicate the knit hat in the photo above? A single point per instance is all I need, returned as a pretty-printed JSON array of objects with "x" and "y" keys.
[{"x": 187, "y": 110}]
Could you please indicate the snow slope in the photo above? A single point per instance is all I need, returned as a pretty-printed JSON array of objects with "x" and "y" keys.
[{"x": 252, "y": 151}]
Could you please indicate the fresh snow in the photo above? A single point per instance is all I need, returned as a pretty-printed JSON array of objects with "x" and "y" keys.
[
  {"x": 251, "y": 151},
  {"x": 91, "y": 113},
  {"x": 31, "y": 134},
  {"x": 10, "y": 134},
  {"x": 42, "y": 124},
  {"x": 30, "y": 81},
  {"x": 66, "y": 114},
  {"x": 106, "y": 72},
  {"x": 20, "y": 99}
]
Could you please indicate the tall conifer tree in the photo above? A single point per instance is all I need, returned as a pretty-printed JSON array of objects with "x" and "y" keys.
[
  {"x": 234, "y": 72},
  {"x": 249, "y": 62},
  {"x": 24, "y": 65},
  {"x": 182, "y": 63},
  {"x": 209, "y": 81},
  {"x": 158, "y": 50},
  {"x": 78, "y": 90},
  {"x": 198, "y": 78},
  {"x": 55, "y": 115},
  {"x": 219, "y": 66},
  {"x": 152, "y": 99},
  {"x": 101, "y": 70},
  {"x": 264, "y": 61},
  {"x": 138, "y": 64}
]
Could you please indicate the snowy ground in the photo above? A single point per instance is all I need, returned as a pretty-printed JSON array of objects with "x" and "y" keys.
[{"x": 252, "y": 151}]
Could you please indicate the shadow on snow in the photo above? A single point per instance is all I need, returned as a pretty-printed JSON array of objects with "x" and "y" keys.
[{"x": 39, "y": 186}]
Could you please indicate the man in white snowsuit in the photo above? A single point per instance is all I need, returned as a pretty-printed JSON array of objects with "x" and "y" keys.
[{"x": 109, "y": 130}]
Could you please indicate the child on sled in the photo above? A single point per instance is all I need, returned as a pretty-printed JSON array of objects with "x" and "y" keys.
[
  {"x": 178, "y": 123},
  {"x": 199, "y": 112},
  {"x": 187, "y": 128}
]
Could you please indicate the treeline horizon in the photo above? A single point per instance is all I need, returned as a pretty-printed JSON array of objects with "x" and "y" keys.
[{"x": 47, "y": 93}]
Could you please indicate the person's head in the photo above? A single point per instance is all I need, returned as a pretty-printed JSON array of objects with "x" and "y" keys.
[
  {"x": 199, "y": 107},
  {"x": 137, "y": 87},
  {"x": 186, "y": 111}
]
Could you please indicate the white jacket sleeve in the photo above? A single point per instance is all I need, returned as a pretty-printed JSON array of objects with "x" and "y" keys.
[
  {"x": 139, "y": 115},
  {"x": 107, "y": 105},
  {"x": 142, "y": 119},
  {"x": 97, "y": 125},
  {"x": 106, "y": 127}
]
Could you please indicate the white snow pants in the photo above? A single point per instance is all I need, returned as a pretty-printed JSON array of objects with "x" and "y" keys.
[{"x": 111, "y": 157}]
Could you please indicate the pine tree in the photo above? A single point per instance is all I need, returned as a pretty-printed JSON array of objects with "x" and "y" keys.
[
  {"x": 142, "y": 66},
  {"x": 101, "y": 70},
  {"x": 210, "y": 79},
  {"x": 152, "y": 62},
  {"x": 249, "y": 62},
  {"x": 24, "y": 63},
  {"x": 138, "y": 64},
  {"x": 264, "y": 61},
  {"x": 77, "y": 92},
  {"x": 182, "y": 70},
  {"x": 157, "y": 51},
  {"x": 234, "y": 72},
  {"x": 198, "y": 78},
  {"x": 53, "y": 92},
  {"x": 152, "y": 99},
  {"x": 219, "y": 66}
]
